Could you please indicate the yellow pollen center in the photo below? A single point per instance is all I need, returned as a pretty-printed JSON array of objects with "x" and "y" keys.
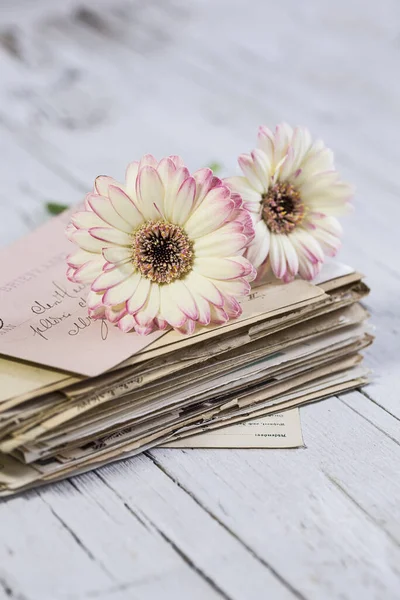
[
  {"x": 162, "y": 252},
  {"x": 282, "y": 208}
]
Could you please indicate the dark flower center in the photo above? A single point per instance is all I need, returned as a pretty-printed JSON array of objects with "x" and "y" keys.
[
  {"x": 162, "y": 252},
  {"x": 282, "y": 208}
]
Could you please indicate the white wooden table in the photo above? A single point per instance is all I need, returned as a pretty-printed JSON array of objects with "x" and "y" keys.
[{"x": 86, "y": 87}]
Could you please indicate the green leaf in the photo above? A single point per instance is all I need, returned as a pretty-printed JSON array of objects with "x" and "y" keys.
[
  {"x": 55, "y": 209},
  {"x": 215, "y": 167}
]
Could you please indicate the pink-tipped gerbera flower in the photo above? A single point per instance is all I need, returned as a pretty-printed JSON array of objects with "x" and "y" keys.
[
  {"x": 164, "y": 248},
  {"x": 293, "y": 193}
]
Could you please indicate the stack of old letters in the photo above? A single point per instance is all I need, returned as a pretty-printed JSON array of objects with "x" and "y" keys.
[{"x": 76, "y": 394}]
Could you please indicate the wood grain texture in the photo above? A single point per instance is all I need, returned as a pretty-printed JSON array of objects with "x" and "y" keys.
[
  {"x": 330, "y": 509},
  {"x": 85, "y": 88}
]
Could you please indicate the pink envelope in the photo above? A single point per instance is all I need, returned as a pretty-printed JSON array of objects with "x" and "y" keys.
[{"x": 43, "y": 316}]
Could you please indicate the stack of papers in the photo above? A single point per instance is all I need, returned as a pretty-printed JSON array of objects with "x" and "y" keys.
[{"x": 76, "y": 394}]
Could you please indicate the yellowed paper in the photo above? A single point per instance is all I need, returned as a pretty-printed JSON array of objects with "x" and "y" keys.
[
  {"x": 15, "y": 474},
  {"x": 217, "y": 389},
  {"x": 25, "y": 381},
  {"x": 282, "y": 430},
  {"x": 44, "y": 317},
  {"x": 13, "y": 478},
  {"x": 263, "y": 303},
  {"x": 19, "y": 379},
  {"x": 140, "y": 402}
]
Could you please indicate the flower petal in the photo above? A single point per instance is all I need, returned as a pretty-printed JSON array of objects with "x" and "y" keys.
[
  {"x": 235, "y": 288},
  {"x": 292, "y": 261},
  {"x": 307, "y": 269},
  {"x": 110, "y": 266},
  {"x": 150, "y": 193},
  {"x": 184, "y": 300},
  {"x": 218, "y": 315},
  {"x": 203, "y": 307},
  {"x": 127, "y": 323},
  {"x": 80, "y": 257},
  {"x": 94, "y": 300},
  {"x": 201, "y": 286},
  {"x": 204, "y": 179},
  {"x": 125, "y": 207},
  {"x": 69, "y": 231},
  {"x": 110, "y": 278},
  {"x": 175, "y": 181},
  {"x": 145, "y": 330},
  {"x": 258, "y": 249},
  {"x": 97, "y": 313},
  {"x": 177, "y": 160},
  {"x": 301, "y": 144},
  {"x": 329, "y": 243},
  {"x": 305, "y": 244},
  {"x": 265, "y": 141},
  {"x": 160, "y": 323},
  {"x": 139, "y": 296},
  {"x": 87, "y": 219},
  {"x": 282, "y": 138},
  {"x": 219, "y": 268},
  {"x": 111, "y": 236},
  {"x": 327, "y": 232},
  {"x": 277, "y": 257},
  {"x": 231, "y": 227},
  {"x": 148, "y": 160},
  {"x": 232, "y": 308},
  {"x": 330, "y": 225},
  {"x": 115, "y": 313},
  {"x": 318, "y": 162},
  {"x": 250, "y": 172},
  {"x": 315, "y": 183},
  {"x": 102, "y": 183},
  {"x": 122, "y": 291},
  {"x": 188, "y": 327},
  {"x": 89, "y": 271},
  {"x": 263, "y": 167},
  {"x": 166, "y": 170},
  {"x": 86, "y": 241},
  {"x": 105, "y": 210},
  {"x": 184, "y": 201},
  {"x": 331, "y": 200},
  {"x": 211, "y": 214},
  {"x": 285, "y": 170},
  {"x": 117, "y": 254},
  {"x": 169, "y": 310},
  {"x": 130, "y": 179},
  {"x": 220, "y": 244},
  {"x": 242, "y": 186},
  {"x": 248, "y": 270},
  {"x": 148, "y": 312}
]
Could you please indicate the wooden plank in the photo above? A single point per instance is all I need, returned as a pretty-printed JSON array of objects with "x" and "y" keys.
[
  {"x": 5, "y": 588},
  {"x": 157, "y": 499},
  {"x": 372, "y": 412},
  {"x": 27, "y": 185},
  {"x": 122, "y": 543},
  {"x": 40, "y": 557},
  {"x": 315, "y": 513},
  {"x": 359, "y": 456}
]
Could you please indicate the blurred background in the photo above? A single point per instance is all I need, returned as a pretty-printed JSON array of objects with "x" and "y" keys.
[{"x": 87, "y": 86}]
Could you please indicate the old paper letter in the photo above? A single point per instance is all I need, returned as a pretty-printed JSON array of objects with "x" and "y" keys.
[{"x": 282, "y": 430}]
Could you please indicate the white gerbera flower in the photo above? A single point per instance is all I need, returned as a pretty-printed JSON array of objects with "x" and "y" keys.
[
  {"x": 293, "y": 192},
  {"x": 164, "y": 248}
]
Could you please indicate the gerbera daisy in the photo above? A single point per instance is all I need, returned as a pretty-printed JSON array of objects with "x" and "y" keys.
[
  {"x": 293, "y": 193},
  {"x": 164, "y": 248}
]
